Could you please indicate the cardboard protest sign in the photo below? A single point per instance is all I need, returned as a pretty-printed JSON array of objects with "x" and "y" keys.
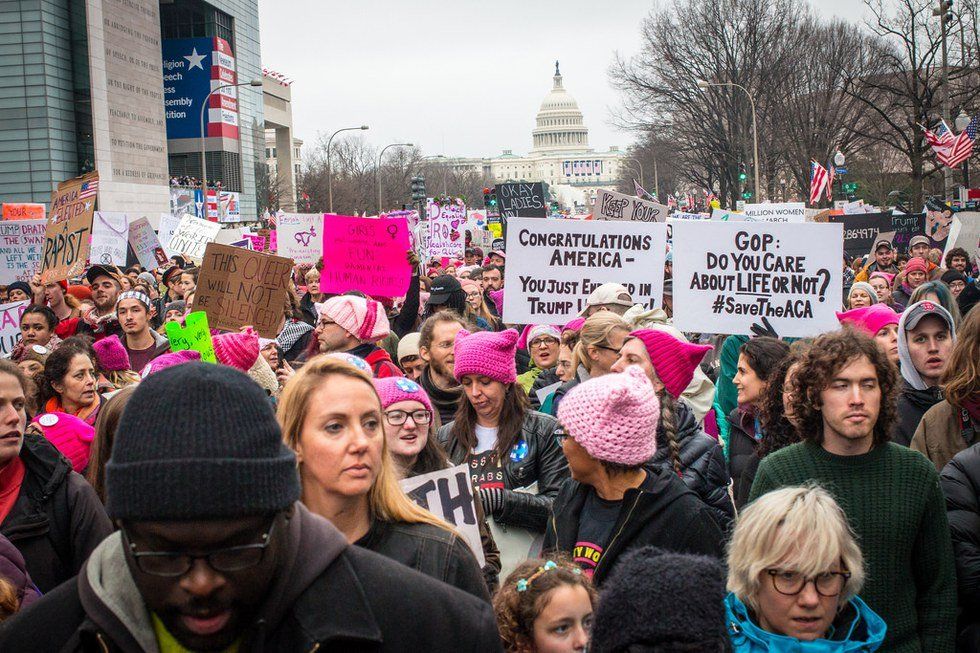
[
  {"x": 192, "y": 237},
  {"x": 522, "y": 200},
  {"x": 733, "y": 276},
  {"x": 68, "y": 235},
  {"x": 195, "y": 335},
  {"x": 146, "y": 244},
  {"x": 784, "y": 212},
  {"x": 553, "y": 265},
  {"x": 448, "y": 494},
  {"x": 239, "y": 288},
  {"x": 482, "y": 239},
  {"x": 21, "y": 242},
  {"x": 367, "y": 255},
  {"x": 610, "y": 205},
  {"x": 446, "y": 225},
  {"x": 860, "y": 229},
  {"x": 110, "y": 238},
  {"x": 165, "y": 232},
  {"x": 10, "y": 326},
  {"x": 23, "y": 211}
]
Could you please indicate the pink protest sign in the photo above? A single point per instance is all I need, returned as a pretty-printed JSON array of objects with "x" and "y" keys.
[{"x": 364, "y": 254}]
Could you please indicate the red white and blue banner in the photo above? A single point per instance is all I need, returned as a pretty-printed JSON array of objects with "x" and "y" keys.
[{"x": 192, "y": 68}]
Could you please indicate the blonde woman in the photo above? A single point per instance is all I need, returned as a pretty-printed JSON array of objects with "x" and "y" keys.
[
  {"x": 599, "y": 340},
  {"x": 794, "y": 572},
  {"x": 331, "y": 417}
]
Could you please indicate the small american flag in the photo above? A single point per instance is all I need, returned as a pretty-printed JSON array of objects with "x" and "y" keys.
[
  {"x": 88, "y": 189},
  {"x": 961, "y": 147},
  {"x": 640, "y": 192},
  {"x": 941, "y": 140},
  {"x": 818, "y": 181}
]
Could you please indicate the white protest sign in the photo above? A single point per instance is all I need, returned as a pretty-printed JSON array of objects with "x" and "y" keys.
[
  {"x": 964, "y": 232},
  {"x": 446, "y": 225},
  {"x": 553, "y": 265},
  {"x": 110, "y": 238},
  {"x": 610, "y": 205},
  {"x": 448, "y": 494},
  {"x": 682, "y": 215},
  {"x": 21, "y": 242},
  {"x": 146, "y": 244},
  {"x": 735, "y": 275},
  {"x": 165, "y": 231},
  {"x": 192, "y": 237},
  {"x": 300, "y": 237},
  {"x": 10, "y": 326},
  {"x": 421, "y": 236},
  {"x": 785, "y": 212},
  {"x": 724, "y": 215}
]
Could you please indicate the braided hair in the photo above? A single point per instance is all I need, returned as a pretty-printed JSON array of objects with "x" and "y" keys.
[{"x": 668, "y": 425}]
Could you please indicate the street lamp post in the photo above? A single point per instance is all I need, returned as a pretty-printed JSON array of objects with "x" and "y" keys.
[
  {"x": 962, "y": 122},
  {"x": 445, "y": 170},
  {"x": 329, "y": 169},
  {"x": 944, "y": 14},
  {"x": 704, "y": 84},
  {"x": 839, "y": 160},
  {"x": 377, "y": 172},
  {"x": 204, "y": 159}
]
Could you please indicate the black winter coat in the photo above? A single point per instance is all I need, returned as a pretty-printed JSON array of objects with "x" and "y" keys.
[
  {"x": 435, "y": 552},
  {"x": 670, "y": 516},
  {"x": 702, "y": 461},
  {"x": 743, "y": 454},
  {"x": 544, "y": 464},
  {"x": 543, "y": 380},
  {"x": 57, "y": 519},
  {"x": 912, "y": 405},
  {"x": 960, "y": 480}
]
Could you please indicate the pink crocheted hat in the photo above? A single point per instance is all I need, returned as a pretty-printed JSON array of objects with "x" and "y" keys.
[
  {"x": 870, "y": 319},
  {"x": 111, "y": 354},
  {"x": 363, "y": 318},
  {"x": 673, "y": 360},
  {"x": 486, "y": 353},
  {"x": 70, "y": 435},
  {"x": 393, "y": 389},
  {"x": 238, "y": 350},
  {"x": 614, "y": 417},
  {"x": 169, "y": 360},
  {"x": 498, "y": 300}
]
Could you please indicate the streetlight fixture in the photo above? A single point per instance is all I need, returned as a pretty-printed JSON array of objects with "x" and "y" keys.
[
  {"x": 962, "y": 122},
  {"x": 377, "y": 172},
  {"x": 204, "y": 160},
  {"x": 705, "y": 85},
  {"x": 329, "y": 169},
  {"x": 839, "y": 160}
]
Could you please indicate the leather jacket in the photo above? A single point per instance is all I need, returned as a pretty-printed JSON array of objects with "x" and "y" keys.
[{"x": 543, "y": 463}]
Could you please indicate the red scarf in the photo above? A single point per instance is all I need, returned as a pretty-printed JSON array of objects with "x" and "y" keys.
[
  {"x": 972, "y": 406},
  {"x": 11, "y": 478}
]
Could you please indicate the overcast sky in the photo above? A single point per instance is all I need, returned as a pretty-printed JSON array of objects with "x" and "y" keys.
[{"x": 457, "y": 77}]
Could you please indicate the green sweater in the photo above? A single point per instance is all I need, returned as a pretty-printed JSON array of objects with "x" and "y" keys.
[{"x": 893, "y": 501}]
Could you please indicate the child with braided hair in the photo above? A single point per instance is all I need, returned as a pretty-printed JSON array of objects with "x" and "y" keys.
[
  {"x": 682, "y": 445},
  {"x": 545, "y": 606}
]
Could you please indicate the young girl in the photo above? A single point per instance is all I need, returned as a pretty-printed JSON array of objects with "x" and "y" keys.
[{"x": 545, "y": 607}]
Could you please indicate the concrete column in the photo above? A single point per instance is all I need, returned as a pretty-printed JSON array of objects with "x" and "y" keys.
[{"x": 287, "y": 175}]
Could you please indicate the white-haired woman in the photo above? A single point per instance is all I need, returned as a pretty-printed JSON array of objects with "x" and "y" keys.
[{"x": 794, "y": 572}]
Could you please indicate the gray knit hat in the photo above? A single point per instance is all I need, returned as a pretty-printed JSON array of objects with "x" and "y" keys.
[{"x": 199, "y": 441}]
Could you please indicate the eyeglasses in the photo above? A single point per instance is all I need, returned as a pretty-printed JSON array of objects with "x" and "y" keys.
[
  {"x": 791, "y": 583},
  {"x": 561, "y": 434},
  {"x": 398, "y": 417},
  {"x": 607, "y": 348},
  {"x": 172, "y": 564},
  {"x": 472, "y": 295},
  {"x": 543, "y": 342}
]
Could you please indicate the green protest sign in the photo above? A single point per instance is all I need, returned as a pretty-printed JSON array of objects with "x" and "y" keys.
[{"x": 196, "y": 336}]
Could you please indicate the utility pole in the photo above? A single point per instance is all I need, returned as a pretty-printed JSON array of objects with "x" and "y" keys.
[{"x": 944, "y": 11}]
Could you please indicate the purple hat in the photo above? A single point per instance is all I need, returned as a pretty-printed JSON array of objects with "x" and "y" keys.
[{"x": 111, "y": 354}]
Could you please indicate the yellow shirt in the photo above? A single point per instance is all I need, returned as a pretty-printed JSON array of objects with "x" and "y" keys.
[{"x": 169, "y": 644}]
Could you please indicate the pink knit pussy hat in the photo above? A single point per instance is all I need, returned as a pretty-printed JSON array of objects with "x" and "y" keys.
[
  {"x": 111, "y": 354},
  {"x": 69, "y": 435},
  {"x": 238, "y": 350},
  {"x": 870, "y": 319},
  {"x": 673, "y": 360},
  {"x": 614, "y": 417},
  {"x": 486, "y": 353},
  {"x": 393, "y": 389},
  {"x": 363, "y": 318},
  {"x": 498, "y": 300}
]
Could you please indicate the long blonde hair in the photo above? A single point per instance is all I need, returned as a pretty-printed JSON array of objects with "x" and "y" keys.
[
  {"x": 385, "y": 498},
  {"x": 595, "y": 332}
]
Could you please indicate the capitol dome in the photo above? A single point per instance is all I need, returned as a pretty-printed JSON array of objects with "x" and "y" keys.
[{"x": 559, "y": 125}]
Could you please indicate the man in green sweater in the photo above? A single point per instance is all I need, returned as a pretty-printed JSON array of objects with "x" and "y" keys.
[{"x": 844, "y": 398}]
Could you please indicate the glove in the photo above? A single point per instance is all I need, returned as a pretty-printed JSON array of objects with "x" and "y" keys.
[{"x": 492, "y": 499}]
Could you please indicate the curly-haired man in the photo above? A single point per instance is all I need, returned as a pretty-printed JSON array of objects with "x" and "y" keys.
[{"x": 844, "y": 399}]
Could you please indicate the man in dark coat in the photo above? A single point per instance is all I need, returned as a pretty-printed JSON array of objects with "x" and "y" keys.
[{"x": 215, "y": 552}]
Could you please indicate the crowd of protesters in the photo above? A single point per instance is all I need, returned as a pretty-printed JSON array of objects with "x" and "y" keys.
[{"x": 636, "y": 488}]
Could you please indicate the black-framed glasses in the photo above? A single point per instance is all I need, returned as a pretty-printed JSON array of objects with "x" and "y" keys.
[
  {"x": 607, "y": 348},
  {"x": 398, "y": 417},
  {"x": 791, "y": 583},
  {"x": 546, "y": 341},
  {"x": 171, "y": 564},
  {"x": 561, "y": 434}
]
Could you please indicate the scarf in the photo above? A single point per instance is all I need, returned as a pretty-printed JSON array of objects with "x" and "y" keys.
[
  {"x": 53, "y": 405},
  {"x": 97, "y": 323},
  {"x": 11, "y": 478},
  {"x": 292, "y": 331},
  {"x": 972, "y": 406}
]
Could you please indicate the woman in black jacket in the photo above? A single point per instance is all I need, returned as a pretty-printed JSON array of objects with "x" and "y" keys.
[
  {"x": 614, "y": 502},
  {"x": 514, "y": 458},
  {"x": 331, "y": 416},
  {"x": 960, "y": 480}
]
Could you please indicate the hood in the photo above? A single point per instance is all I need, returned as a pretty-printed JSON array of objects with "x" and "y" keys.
[
  {"x": 909, "y": 373},
  {"x": 111, "y": 599},
  {"x": 640, "y": 318},
  {"x": 14, "y": 569},
  {"x": 857, "y": 628}
]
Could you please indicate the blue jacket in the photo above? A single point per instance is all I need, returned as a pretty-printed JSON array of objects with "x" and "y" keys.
[{"x": 854, "y": 633}]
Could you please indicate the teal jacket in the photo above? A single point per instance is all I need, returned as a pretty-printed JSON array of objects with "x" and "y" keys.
[{"x": 856, "y": 629}]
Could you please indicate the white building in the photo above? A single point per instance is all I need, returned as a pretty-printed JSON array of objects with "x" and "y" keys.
[{"x": 560, "y": 155}]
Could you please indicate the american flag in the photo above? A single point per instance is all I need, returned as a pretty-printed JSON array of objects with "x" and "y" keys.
[
  {"x": 961, "y": 147},
  {"x": 88, "y": 189},
  {"x": 818, "y": 181},
  {"x": 941, "y": 141}
]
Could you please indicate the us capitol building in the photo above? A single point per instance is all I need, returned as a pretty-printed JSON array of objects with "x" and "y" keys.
[{"x": 561, "y": 155}]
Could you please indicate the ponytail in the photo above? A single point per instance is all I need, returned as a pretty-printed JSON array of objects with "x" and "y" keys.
[{"x": 668, "y": 419}]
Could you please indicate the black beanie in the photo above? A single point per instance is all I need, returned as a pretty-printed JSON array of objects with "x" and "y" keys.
[
  {"x": 655, "y": 597},
  {"x": 199, "y": 441}
]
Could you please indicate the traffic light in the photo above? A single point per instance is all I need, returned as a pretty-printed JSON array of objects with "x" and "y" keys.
[
  {"x": 944, "y": 11},
  {"x": 491, "y": 203},
  {"x": 747, "y": 195},
  {"x": 741, "y": 172},
  {"x": 418, "y": 189},
  {"x": 486, "y": 198}
]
